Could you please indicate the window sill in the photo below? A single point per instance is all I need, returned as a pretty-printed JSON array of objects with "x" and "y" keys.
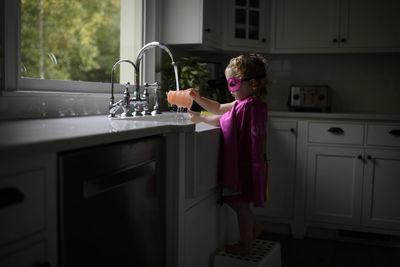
[{"x": 47, "y": 104}]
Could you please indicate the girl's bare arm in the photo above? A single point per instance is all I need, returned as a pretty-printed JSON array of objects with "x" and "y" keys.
[
  {"x": 210, "y": 105},
  {"x": 197, "y": 117}
]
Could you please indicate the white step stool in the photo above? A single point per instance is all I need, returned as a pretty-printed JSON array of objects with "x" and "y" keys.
[{"x": 265, "y": 254}]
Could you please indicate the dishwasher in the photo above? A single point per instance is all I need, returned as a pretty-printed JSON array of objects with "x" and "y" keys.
[{"x": 112, "y": 205}]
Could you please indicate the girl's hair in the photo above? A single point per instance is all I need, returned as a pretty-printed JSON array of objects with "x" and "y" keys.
[{"x": 251, "y": 65}]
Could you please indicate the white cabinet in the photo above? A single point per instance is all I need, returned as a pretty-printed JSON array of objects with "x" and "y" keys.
[
  {"x": 281, "y": 153},
  {"x": 192, "y": 22},
  {"x": 28, "y": 211},
  {"x": 353, "y": 181},
  {"x": 206, "y": 226},
  {"x": 334, "y": 183},
  {"x": 312, "y": 26},
  {"x": 246, "y": 25},
  {"x": 381, "y": 189}
]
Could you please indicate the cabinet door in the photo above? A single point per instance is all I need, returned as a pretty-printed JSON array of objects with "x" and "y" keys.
[
  {"x": 306, "y": 24},
  {"x": 281, "y": 151},
  {"x": 247, "y": 25},
  {"x": 191, "y": 22},
  {"x": 381, "y": 196},
  {"x": 205, "y": 231},
  {"x": 370, "y": 24},
  {"x": 211, "y": 22},
  {"x": 334, "y": 182}
]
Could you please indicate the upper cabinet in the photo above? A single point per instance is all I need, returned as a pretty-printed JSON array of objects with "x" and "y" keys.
[
  {"x": 313, "y": 26},
  {"x": 192, "y": 22},
  {"x": 246, "y": 25}
]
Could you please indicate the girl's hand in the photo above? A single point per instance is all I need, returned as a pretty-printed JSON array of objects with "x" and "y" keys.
[
  {"x": 194, "y": 116},
  {"x": 195, "y": 94}
]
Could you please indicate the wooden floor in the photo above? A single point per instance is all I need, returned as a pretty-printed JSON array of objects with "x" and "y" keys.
[{"x": 327, "y": 253}]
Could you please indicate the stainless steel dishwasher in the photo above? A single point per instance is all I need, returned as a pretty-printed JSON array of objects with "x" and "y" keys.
[{"x": 112, "y": 205}]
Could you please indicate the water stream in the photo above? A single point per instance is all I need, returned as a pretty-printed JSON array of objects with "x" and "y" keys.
[{"x": 179, "y": 114}]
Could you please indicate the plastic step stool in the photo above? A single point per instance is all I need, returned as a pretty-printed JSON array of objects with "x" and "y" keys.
[{"x": 265, "y": 253}]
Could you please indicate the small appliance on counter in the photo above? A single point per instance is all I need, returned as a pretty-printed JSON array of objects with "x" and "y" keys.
[{"x": 309, "y": 98}]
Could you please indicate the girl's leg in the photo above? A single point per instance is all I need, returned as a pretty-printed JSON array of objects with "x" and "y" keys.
[{"x": 249, "y": 228}]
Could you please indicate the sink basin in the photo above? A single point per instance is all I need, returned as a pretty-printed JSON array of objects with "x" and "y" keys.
[
  {"x": 173, "y": 118},
  {"x": 164, "y": 117}
]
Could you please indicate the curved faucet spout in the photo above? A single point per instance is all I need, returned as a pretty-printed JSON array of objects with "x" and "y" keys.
[
  {"x": 112, "y": 74},
  {"x": 143, "y": 50}
]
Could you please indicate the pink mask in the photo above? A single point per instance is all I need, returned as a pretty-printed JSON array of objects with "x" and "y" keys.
[{"x": 234, "y": 83}]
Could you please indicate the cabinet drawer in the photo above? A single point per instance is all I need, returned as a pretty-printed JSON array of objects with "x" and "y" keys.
[
  {"x": 336, "y": 133},
  {"x": 383, "y": 135},
  {"x": 22, "y": 205}
]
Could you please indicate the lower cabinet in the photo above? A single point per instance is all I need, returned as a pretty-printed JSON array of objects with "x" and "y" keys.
[
  {"x": 206, "y": 229},
  {"x": 381, "y": 189},
  {"x": 353, "y": 182},
  {"x": 28, "y": 211},
  {"x": 334, "y": 183}
]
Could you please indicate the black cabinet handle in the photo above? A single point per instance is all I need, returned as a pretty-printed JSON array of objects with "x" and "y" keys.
[
  {"x": 292, "y": 130},
  {"x": 10, "y": 196},
  {"x": 395, "y": 132},
  {"x": 263, "y": 40},
  {"x": 343, "y": 40},
  {"x": 207, "y": 30},
  {"x": 359, "y": 157},
  {"x": 369, "y": 157},
  {"x": 335, "y": 40},
  {"x": 336, "y": 130}
]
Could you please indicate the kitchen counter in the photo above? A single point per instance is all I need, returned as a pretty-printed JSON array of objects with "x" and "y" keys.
[
  {"x": 61, "y": 134},
  {"x": 341, "y": 116}
]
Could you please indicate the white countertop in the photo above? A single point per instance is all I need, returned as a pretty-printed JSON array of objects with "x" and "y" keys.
[
  {"x": 61, "y": 134},
  {"x": 341, "y": 116}
]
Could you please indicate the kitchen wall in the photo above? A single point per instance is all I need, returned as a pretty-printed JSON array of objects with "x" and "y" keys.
[{"x": 360, "y": 83}]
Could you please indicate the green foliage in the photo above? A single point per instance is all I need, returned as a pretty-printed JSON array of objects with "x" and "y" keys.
[
  {"x": 76, "y": 40},
  {"x": 192, "y": 74}
]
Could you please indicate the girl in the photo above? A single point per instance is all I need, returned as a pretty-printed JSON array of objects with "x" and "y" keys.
[{"x": 243, "y": 125}]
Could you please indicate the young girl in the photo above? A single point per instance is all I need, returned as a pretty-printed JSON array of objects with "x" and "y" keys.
[{"x": 243, "y": 125}]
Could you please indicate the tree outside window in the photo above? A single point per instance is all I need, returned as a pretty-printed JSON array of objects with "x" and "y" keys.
[{"x": 70, "y": 39}]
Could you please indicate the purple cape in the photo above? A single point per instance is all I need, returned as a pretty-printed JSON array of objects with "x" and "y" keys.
[{"x": 244, "y": 166}]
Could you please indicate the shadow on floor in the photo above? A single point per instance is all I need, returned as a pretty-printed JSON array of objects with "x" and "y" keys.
[{"x": 312, "y": 252}]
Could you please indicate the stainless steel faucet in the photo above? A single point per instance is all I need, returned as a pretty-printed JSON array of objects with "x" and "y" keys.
[
  {"x": 137, "y": 100},
  {"x": 155, "y": 85},
  {"x": 124, "y": 103}
]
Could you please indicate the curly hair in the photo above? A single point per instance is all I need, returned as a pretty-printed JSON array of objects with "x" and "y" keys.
[{"x": 251, "y": 65}]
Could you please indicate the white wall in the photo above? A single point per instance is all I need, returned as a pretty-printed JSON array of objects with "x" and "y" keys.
[{"x": 360, "y": 83}]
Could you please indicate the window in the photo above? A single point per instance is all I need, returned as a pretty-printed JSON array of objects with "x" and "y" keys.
[
  {"x": 69, "y": 40},
  {"x": 70, "y": 45}
]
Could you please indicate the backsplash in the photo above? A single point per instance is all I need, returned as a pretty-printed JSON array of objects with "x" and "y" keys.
[{"x": 360, "y": 83}]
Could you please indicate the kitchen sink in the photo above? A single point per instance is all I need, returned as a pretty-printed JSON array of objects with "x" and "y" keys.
[
  {"x": 164, "y": 117},
  {"x": 173, "y": 118}
]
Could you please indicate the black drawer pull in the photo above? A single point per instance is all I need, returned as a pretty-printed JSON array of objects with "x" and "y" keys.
[
  {"x": 336, "y": 130},
  {"x": 395, "y": 132},
  {"x": 10, "y": 196}
]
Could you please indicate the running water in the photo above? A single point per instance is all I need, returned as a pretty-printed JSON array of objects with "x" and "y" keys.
[
  {"x": 176, "y": 75},
  {"x": 179, "y": 109}
]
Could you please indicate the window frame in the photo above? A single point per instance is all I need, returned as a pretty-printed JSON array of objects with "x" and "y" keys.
[{"x": 15, "y": 85}]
